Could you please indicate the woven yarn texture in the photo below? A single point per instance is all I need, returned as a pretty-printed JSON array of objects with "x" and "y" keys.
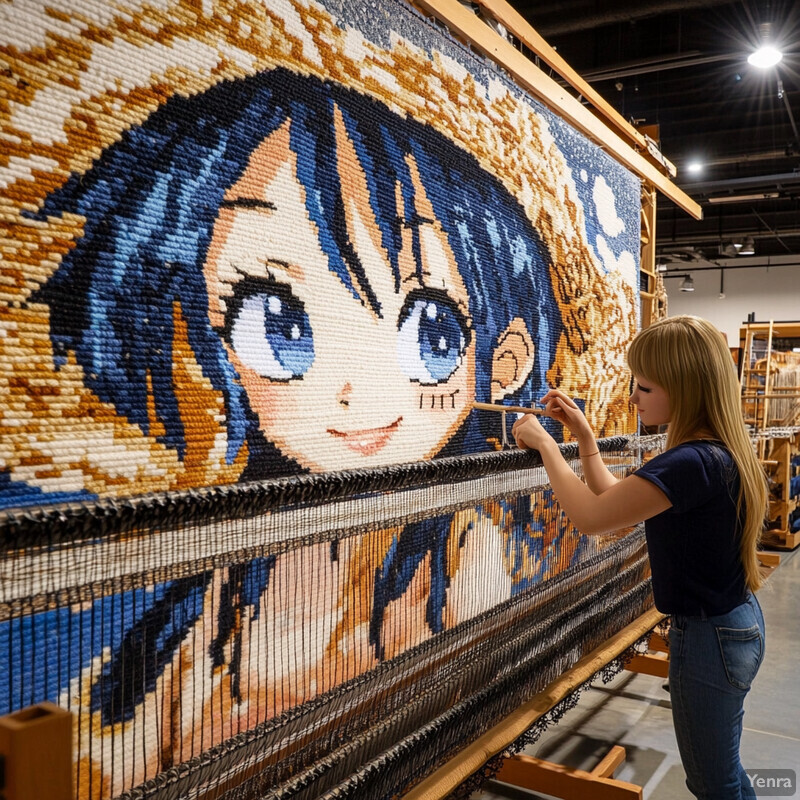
[{"x": 258, "y": 260}]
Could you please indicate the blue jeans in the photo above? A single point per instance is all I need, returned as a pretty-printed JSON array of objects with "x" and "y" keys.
[{"x": 712, "y": 662}]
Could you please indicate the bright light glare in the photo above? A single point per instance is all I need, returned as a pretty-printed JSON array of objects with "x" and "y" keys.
[
  {"x": 766, "y": 56},
  {"x": 694, "y": 167}
]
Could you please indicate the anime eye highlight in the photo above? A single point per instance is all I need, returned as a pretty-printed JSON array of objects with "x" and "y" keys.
[
  {"x": 432, "y": 337},
  {"x": 268, "y": 328}
]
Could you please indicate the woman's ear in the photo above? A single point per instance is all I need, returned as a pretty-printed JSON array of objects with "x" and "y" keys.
[{"x": 512, "y": 361}]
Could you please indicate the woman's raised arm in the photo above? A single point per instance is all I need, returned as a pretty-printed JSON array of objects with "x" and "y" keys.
[{"x": 621, "y": 504}]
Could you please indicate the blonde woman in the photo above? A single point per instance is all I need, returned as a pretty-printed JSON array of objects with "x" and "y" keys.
[{"x": 703, "y": 501}]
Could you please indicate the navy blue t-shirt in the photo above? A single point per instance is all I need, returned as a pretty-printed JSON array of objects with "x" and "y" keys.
[{"x": 694, "y": 546}]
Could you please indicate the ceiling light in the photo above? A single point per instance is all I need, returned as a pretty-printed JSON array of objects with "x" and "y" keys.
[
  {"x": 687, "y": 284},
  {"x": 661, "y": 267},
  {"x": 729, "y": 249},
  {"x": 748, "y": 247},
  {"x": 694, "y": 167},
  {"x": 766, "y": 56}
]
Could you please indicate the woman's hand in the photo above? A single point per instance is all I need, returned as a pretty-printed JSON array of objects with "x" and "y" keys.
[
  {"x": 529, "y": 434},
  {"x": 563, "y": 409}
]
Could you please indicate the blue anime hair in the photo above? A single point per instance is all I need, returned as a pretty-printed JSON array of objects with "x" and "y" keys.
[{"x": 151, "y": 201}]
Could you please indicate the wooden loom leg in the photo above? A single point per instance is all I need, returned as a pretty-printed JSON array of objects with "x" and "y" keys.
[
  {"x": 769, "y": 559},
  {"x": 570, "y": 784},
  {"x": 36, "y": 754},
  {"x": 656, "y": 664},
  {"x": 768, "y": 563}
]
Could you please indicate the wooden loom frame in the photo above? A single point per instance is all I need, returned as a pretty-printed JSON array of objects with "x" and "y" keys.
[{"x": 24, "y": 774}]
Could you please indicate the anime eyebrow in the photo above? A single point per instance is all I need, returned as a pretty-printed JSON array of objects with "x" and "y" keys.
[
  {"x": 418, "y": 279},
  {"x": 248, "y": 202},
  {"x": 414, "y": 222}
]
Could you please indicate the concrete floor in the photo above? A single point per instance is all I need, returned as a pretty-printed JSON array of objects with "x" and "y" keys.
[{"x": 634, "y": 711}]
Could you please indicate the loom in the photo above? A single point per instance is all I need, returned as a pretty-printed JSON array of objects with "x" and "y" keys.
[
  {"x": 265, "y": 267},
  {"x": 208, "y": 667}
]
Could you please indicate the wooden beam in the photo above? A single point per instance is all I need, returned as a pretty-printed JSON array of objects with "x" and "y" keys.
[
  {"x": 516, "y": 24},
  {"x": 482, "y": 38},
  {"x": 495, "y": 740},
  {"x": 647, "y": 259}
]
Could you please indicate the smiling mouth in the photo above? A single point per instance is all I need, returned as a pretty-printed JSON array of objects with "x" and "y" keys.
[{"x": 368, "y": 441}]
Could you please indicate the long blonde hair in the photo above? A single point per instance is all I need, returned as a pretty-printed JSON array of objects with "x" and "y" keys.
[{"x": 688, "y": 358}]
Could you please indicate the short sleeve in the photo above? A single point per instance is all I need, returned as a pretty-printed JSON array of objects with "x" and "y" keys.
[{"x": 683, "y": 473}]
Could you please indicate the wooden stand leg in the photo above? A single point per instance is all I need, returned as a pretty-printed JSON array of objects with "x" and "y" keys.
[
  {"x": 570, "y": 784},
  {"x": 769, "y": 559},
  {"x": 36, "y": 754},
  {"x": 649, "y": 664},
  {"x": 768, "y": 563},
  {"x": 655, "y": 662},
  {"x": 781, "y": 539}
]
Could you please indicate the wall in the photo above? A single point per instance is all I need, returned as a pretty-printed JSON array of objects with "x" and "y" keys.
[{"x": 772, "y": 293}]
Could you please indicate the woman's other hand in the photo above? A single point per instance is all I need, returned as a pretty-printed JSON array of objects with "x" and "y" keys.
[{"x": 529, "y": 434}]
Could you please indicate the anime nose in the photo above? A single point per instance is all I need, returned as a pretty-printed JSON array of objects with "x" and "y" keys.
[{"x": 343, "y": 397}]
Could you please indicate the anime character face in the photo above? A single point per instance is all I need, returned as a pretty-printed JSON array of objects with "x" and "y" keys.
[
  {"x": 337, "y": 381},
  {"x": 344, "y": 279}
]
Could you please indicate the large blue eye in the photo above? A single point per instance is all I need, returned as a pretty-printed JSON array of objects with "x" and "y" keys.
[
  {"x": 432, "y": 338},
  {"x": 271, "y": 334}
]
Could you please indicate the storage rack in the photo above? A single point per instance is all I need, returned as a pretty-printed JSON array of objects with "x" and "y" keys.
[
  {"x": 775, "y": 434},
  {"x": 781, "y": 462},
  {"x": 759, "y": 365}
]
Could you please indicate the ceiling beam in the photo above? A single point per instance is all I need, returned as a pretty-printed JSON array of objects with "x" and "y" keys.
[
  {"x": 780, "y": 181},
  {"x": 714, "y": 239},
  {"x": 743, "y": 158},
  {"x": 680, "y": 269},
  {"x": 661, "y": 64},
  {"x": 571, "y": 23}
]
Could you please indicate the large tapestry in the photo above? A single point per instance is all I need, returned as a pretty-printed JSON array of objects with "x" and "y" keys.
[{"x": 249, "y": 245}]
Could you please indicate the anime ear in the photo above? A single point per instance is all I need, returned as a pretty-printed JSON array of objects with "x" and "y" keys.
[{"x": 512, "y": 361}]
